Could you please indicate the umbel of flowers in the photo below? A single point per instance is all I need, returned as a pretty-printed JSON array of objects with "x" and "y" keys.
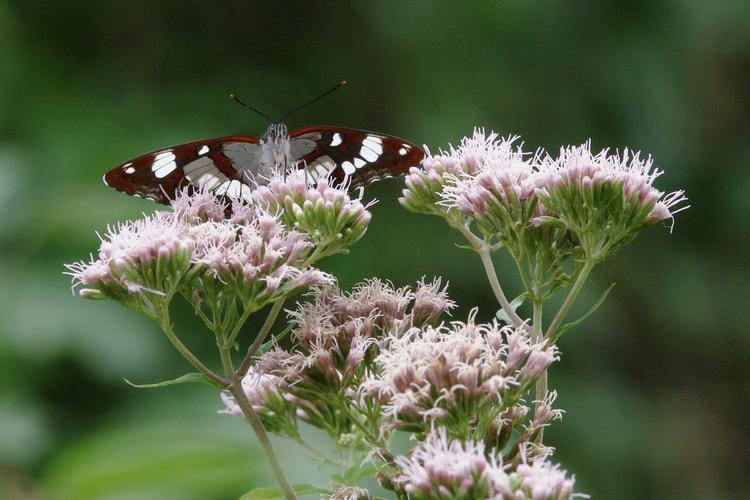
[
  {"x": 462, "y": 377},
  {"x": 258, "y": 254},
  {"x": 545, "y": 210}
]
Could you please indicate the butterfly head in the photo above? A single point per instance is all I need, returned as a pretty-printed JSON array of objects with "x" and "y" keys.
[{"x": 275, "y": 147}]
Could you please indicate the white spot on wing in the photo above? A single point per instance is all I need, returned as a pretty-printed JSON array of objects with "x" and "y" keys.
[
  {"x": 348, "y": 167},
  {"x": 234, "y": 189},
  {"x": 336, "y": 139},
  {"x": 402, "y": 151},
  {"x": 164, "y": 164},
  {"x": 372, "y": 148},
  {"x": 375, "y": 143},
  {"x": 129, "y": 170},
  {"x": 204, "y": 174},
  {"x": 368, "y": 154},
  {"x": 210, "y": 181},
  {"x": 321, "y": 167},
  {"x": 203, "y": 150},
  {"x": 359, "y": 162}
]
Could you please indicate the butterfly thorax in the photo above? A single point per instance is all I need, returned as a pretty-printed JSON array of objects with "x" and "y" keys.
[{"x": 275, "y": 150}]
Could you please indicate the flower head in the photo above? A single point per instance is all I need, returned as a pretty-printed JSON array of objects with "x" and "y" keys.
[
  {"x": 196, "y": 206},
  {"x": 138, "y": 262},
  {"x": 259, "y": 260},
  {"x": 541, "y": 479},
  {"x": 450, "y": 374},
  {"x": 424, "y": 186},
  {"x": 444, "y": 468},
  {"x": 251, "y": 254},
  {"x": 327, "y": 214},
  {"x": 276, "y": 408},
  {"x": 603, "y": 199},
  {"x": 338, "y": 335}
]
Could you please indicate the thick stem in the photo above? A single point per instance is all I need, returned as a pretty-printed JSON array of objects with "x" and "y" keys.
[
  {"x": 541, "y": 382},
  {"x": 252, "y": 418},
  {"x": 569, "y": 300},
  {"x": 166, "y": 326},
  {"x": 262, "y": 334}
]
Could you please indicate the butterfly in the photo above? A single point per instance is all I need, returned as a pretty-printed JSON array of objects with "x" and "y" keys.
[{"x": 229, "y": 165}]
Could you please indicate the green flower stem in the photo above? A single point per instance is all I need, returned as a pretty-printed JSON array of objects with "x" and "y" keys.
[
  {"x": 570, "y": 299},
  {"x": 483, "y": 249},
  {"x": 226, "y": 356},
  {"x": 252, "y": 418},
  {"x": 541, "y": 382},
  {"x": 258, "y": 342},
  {"x": 166, "y": 325},
  {"x": 316, "y": 453},
  {"x": 246, "y": 311},
  {"x": 489, "y": 268}
]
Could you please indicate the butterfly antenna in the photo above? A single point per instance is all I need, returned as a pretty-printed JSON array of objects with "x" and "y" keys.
[
  {"x": 321, "y": 96},
  {"x": 248, "y": 107}
]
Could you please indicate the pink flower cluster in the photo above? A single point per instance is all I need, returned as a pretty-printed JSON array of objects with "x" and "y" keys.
[
  {"x": 578, "y": 171},
  {"x": 444, "y": 468},
  {"x": 260, "y": 251},
  {"x": 276, "y": 408},
  {"x": 449, "y": 374},
  {"x": 250, "y": 252},
  {"x": 424, "y": 185},
  {"x": 327, "y": 214},
  {"x": 491, "y": 182},
  {"x": 338, "y": 335},
  {"x": 128, "y": 255}
]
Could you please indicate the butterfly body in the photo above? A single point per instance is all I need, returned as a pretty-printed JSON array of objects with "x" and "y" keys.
[{"x": 230, "y": 165}]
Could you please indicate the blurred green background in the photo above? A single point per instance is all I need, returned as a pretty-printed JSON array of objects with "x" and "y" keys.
[{"x": 654, "y": 384}]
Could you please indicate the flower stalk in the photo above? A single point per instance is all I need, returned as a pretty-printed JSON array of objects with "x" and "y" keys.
[{"x": 254, "y": 421}]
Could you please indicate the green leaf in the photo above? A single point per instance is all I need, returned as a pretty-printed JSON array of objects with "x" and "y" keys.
[
  {"x": 276, "y": 493},
  {"x": 572, "y": 324},
  {"x": 356, "y": 473},
  {"x": 550, "y": 221},
  {"x": 187, "y": 378},
  {"x": 515, "y": 304},
  {"x": 465, "y": 247}
]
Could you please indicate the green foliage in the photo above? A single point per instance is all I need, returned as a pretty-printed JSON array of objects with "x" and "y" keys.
[{"x": 198, "y": 378}]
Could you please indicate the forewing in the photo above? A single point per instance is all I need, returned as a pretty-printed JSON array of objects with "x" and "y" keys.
[
  {"x": 357, "y": 157},
  {"x": 221, "y": 165}
]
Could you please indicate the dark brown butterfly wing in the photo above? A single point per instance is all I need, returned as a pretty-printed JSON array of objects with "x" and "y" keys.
[
  {"x": 214, "y": 164},
  {"x": 351, "y": 155}
]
